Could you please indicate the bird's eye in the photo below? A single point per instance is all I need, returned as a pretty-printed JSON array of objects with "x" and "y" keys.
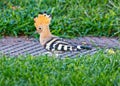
[{"x": 40, "y": 28}]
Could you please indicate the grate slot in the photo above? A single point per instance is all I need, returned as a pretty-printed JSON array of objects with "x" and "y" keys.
[
  {"x": 87, "y": 52},
  {"x": 25, "y": 50},
  {"x": 15, "y": 47},
  {"x": 9, "y": 47},
  {"x": 33, "y": 51}
]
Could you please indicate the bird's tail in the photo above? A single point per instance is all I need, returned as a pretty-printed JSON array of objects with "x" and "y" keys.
[{"x": 80, "y": 47}]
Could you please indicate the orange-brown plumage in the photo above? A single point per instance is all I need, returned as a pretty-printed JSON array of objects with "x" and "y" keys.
[
  {"x": 42, "y": 19},
  {"x": 42, "y": 23}
]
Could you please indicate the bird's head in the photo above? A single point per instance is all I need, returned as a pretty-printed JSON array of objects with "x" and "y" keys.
[{"x": 42, "y": 22}]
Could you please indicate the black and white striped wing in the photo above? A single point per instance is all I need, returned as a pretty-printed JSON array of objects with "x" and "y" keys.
[{"x": 58, "y": 44}]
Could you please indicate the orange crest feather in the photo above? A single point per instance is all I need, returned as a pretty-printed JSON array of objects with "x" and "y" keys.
[{"x": 42, "y": 19}]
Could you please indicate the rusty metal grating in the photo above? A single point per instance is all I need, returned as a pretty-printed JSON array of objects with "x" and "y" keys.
[{"x": 23, "y": 46}]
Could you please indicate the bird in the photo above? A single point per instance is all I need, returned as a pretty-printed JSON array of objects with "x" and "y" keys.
[{"x": 51, "y": 42}]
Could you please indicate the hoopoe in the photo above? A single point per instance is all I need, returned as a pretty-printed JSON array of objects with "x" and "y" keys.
[{"x": 50, "y": 42}]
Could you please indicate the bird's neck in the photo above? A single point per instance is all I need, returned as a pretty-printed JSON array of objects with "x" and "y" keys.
[{"x": 45, "y": 35}]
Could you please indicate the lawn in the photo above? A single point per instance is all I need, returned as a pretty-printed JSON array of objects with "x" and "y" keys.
[
  {"x": 71, "y": 18},
  {"x": 97, "y": 70}
]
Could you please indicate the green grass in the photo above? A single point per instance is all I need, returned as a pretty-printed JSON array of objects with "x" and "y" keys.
[
  {"x": 97, "y": 70},
  {"x": 71, "y": 18}
]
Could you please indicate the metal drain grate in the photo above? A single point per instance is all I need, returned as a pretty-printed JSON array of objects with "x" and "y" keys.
[
  {"x": 22, "y": 49},
  {"x": 23, "y": 46},
  {"x": 15, "y": 47}
]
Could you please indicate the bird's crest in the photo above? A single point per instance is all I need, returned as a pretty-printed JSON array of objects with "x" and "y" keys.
[{"x": 42, "y": 19}]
